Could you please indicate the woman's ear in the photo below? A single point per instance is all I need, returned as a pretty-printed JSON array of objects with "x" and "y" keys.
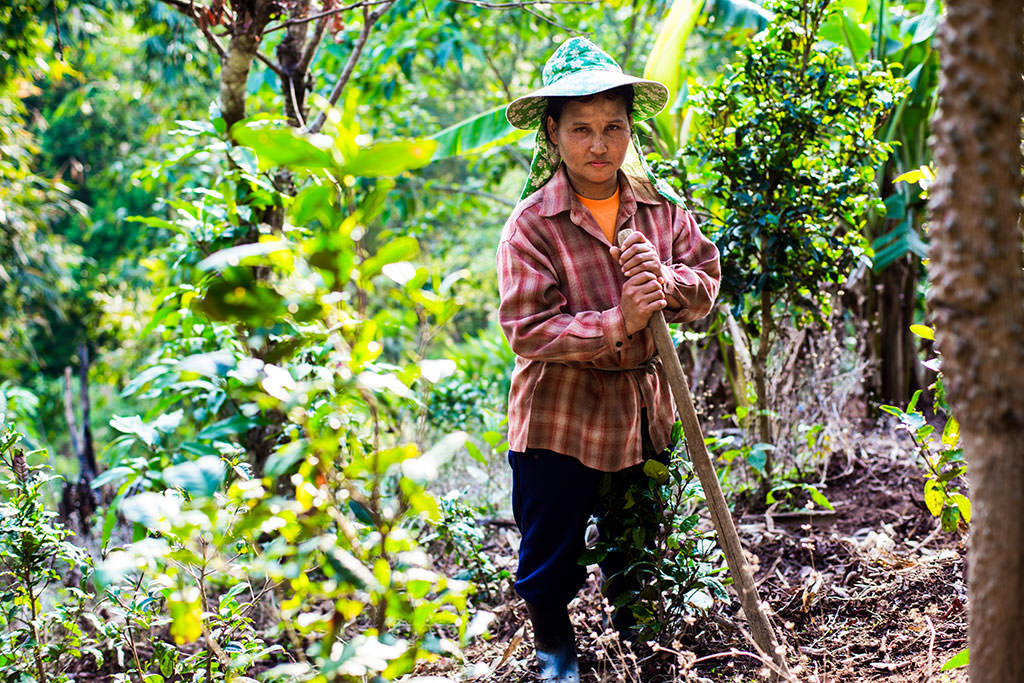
[{"x": 551, "y": 126}]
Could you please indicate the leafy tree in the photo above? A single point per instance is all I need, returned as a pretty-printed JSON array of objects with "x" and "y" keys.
[
  {"x": 886, "y": 298},
  {"x": 35, "y": 265},
  {"x": 789, "y": 146}
]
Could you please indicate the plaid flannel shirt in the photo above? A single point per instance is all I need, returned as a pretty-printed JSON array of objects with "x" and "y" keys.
[{"x": 579, "y": 380}]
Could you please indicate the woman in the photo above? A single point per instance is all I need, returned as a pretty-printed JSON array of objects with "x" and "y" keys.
[{"x": 588, "y": 401}]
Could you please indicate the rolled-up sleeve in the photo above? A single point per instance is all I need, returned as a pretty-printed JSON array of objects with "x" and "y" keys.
[
  {"x": 532, "y": 314},
  {"x": 694, "y": 274}
]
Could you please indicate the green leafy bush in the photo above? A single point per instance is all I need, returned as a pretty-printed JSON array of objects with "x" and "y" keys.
[
  {"x": 788, "y": 151},
  {"x": 674, "y": 575},
  {"x": 273, "y": 475},
  {"x": 461, "y": 536},
  {"x": 942, "y": 460},
  {"x": 42, "y": 620}
]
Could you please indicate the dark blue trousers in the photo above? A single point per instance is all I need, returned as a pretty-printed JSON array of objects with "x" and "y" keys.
[{"x": 553, "y": 497}]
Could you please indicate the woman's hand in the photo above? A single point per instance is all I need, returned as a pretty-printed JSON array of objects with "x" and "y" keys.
[
  {"x": 642, "y": 295},
  {"x": 637, "y": 255}
]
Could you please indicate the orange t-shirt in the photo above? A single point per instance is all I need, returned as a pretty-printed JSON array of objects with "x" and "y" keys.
[{"x": 604, "y": 211}]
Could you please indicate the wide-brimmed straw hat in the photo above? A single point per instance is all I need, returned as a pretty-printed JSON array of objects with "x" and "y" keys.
[
  {"x": 579, "y": 68},
  {"x": 576, "y": 69}
]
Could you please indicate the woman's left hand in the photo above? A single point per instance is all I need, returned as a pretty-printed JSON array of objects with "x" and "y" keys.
[{"x": 638, "y": 255}]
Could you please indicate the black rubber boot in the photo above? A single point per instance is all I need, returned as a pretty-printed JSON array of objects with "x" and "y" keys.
[{"x": 555, "y": 642}]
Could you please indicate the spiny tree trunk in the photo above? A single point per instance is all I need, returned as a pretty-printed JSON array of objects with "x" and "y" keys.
[{"x": 978, "y": 303}]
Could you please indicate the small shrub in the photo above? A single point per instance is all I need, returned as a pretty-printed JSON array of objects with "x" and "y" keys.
[
  {"x": 41, "y": 619},
  {"x": 942, "y": 462},
  {"x": 675, "y": 574}
]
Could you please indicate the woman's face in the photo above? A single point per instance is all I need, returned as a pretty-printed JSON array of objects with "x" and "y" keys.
[{"x": 592, "y": 138}]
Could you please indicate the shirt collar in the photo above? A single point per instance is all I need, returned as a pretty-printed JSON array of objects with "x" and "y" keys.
[{"x": 557, "y": 194}]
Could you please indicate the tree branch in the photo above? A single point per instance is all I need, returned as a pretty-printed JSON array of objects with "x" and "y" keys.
[
  {"x": 477, "y": 193},
  {"x": 189, "y": 10},
  {"x": 270, "y": 64},
  {"x": 313, "y": 45},
  {"x": 563, "y": 27},
  {"x": 369, "y": 19},
  {"x": 527, "y": 6},
  {"x": 521, "y": 4},
  {"x": 498, "y": 75},
  {"x": 324, "y": 15}
]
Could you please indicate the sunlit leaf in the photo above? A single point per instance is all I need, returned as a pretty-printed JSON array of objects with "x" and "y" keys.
[
  {"x": 963, "y": 503},
  {"x": 200, "y": 477},
  {"x": 962, "y": 658},
  {"x": 143, "y": 378},
  {"x": 923, "y": 331},
  {"x": 427, "y": 467},
  {"x": 951, "y": 433},
  {"x": 934, "y": 497},
  {"x": 115, "y": 475},
  {"x": 657, "y": 471},
  {"x": 819, "y": 497},
  {"x": 278, "y": 144},
  {"x": 399, "y": 249},
  {"x": 434, "y": 370},
  {"x": 477, "y": 134},
  {"x": 665, "y": 62},
  {"x": 243, "y": 254},
  {"x": 927, "y": 25},
  {"x": 282, "y": 460},
  {"x": 950, "y": 518},
  {"x": 390, "y": 158},
  {"x": 185, "y": 609},
  {"x": 151, "y": 510},
  {"x": 133, "y": 424},
  {"x": 344, "y": 566},
  {"x": 236, "y": 424},
  {"x": 212, "y": 364}
]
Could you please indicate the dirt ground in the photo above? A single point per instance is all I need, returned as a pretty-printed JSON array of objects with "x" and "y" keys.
[{"x": 873, "y": 591}]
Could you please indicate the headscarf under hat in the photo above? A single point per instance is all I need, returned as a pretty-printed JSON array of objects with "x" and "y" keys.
[{"x": 576, "y": 69}]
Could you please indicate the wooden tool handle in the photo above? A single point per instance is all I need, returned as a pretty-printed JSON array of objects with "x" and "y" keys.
[{"x": 728, "y": 539}]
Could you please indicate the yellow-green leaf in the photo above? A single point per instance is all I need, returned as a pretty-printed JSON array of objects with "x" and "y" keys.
[
  {"x": 961, "y": 658},
  {"x": 934, "y": 497},
  {"x": 186, "y": 619},
  {"x": 951, "y": 433},
  {"x": 390, "y": 158},
  {"x": 964, "y": 504},
  {"x": 916, "y": 176},
  {"x": 923, "y": 331}
]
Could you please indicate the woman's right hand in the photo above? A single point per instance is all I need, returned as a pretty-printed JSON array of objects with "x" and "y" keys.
[{"x": 642, "y": 295}]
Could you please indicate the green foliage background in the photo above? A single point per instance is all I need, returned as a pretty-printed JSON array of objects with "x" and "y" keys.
[{"x": 292, "y": 336}]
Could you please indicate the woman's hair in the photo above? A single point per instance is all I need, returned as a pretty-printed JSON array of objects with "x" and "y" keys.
[{"x": 557, "y": 104}]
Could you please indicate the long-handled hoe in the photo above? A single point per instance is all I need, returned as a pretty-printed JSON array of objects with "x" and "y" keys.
[{"x": 761, "y": 630}]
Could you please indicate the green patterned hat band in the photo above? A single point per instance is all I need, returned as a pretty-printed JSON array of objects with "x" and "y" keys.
[{"x": 579, "y": 68}]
